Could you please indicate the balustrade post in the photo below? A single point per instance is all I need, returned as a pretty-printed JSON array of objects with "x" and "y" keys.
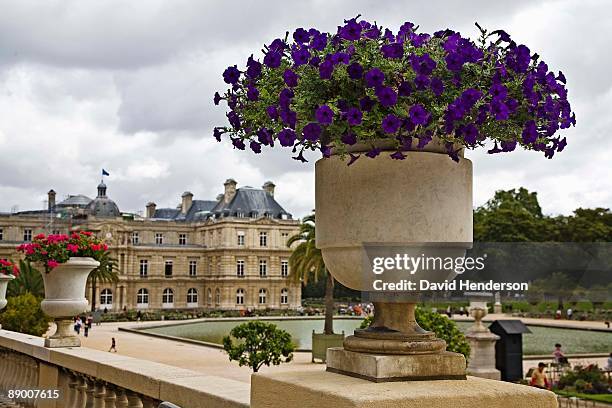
[
  {"x": 99, "y": 394},
  {"x": 73, "y": 393},
  {"x": 149, "y": 403},
  {"x": 81, "y": 395},
  {"x": 122, "y": 400},
  {"x": 89, "y": 392},
  {"x": 134, "y": 400},
  {"x": 110, "y": 398}
]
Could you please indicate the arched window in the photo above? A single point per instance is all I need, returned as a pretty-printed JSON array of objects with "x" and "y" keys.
[
  {"x": 262, "y": 296},
  {"x": 240, "y": 297},
  {"x": 284, "y": 296},
  {"x": 142, "y": 298},
  {"x": 209, "y": 297},
  {"x": 167, "y": 298},
  {"x": 192, "y": 297},
  {"x": 106, "y": 298},
  {"x": 217, "y": 297}
]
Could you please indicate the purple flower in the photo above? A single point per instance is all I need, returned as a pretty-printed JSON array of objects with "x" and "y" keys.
[
  {"x": 351, "y": 31},
  {"x": 326, "y": 69},
  {"x": 233, "y": 119},
  {"x": 500, "y": 110},
  {"x": 253, "y": 68},
  {"x": 421, "y": 82},
  {"x": 290, "y": 77},
  {"x": 437, "y": 86},
  {"x": 561, "y": 78},
  {"x": 495, "y": 149},
  {"x": 394, "y": 50},
  {"x": 217, "y": 98},
  {"x": 301, "y": 36},
  {"x": 386, "y": 96},
  {"x": 470, "y": 133},
  {"x": 319, "y": 41},
  {"x": 353, "y": 158},
  {"x": 424, "y": 139},
  {"x": 418, "y": 114},
  {"x": 272, "y": 112},
  {"x": 324, "y": 115},
  {"x": 256, "y": 147},
  {"x": 312, "y": 132},
  {"x": 238, "y": 143},
  {"x": 470, "y": 96},
  {"x": 339, "y": 57},
  {"x": 349, "y": 138},
  {"x": 354, "y": 116},
  {"x": 423, "y": 64},
  {"x": 454, "y": 61},
  {"x": 273, "y": 59},
  {"x": 404, "y": 89},
  {"x": 265, "y": 137},
  {"x": 504, "y": 36},
  {"x": 374, "y": 77},
  {"x": 398, "y": 155},
  {"x": 498, "y": 91},
  {"x": 288, "y": 117},
  {"x": 530, "y": 132},
  {"x": 372, "y": 153},
  {"x": 231, "y": 75},
  {"x": 366, "y": 104},
  {"x": 419, "y": 39},
  {"x": 326, "y": 151},
  {"x": 252, "y": 93},
  {"x": 300, "y": 56},
  {"x": 508, "y": 145},
  {"x": 286, "y": 137},
  {"x": 561, "y": 145},
  {"x": 217, "y": 133},
  {"x": 285, "y": 96},
  {"x": 355, "y": 71},
  {"x": 391, "y": 123}
]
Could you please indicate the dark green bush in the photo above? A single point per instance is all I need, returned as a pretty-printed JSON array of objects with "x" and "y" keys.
[{"x": 23, "y": 314}]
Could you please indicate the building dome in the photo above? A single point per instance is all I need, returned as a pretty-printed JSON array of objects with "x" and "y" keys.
[{"x": 102, "y": 206}]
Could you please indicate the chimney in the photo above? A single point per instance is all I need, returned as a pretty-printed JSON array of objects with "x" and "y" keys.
[
  {"x": 230, "y": 190},
  {"x": 269, "y": 187},
  {"x": 186, "y": 202},
  {"x": 220, "y": 197},
  {"x": 51, "y": 201},
  {"x": 151, "y": 209}
]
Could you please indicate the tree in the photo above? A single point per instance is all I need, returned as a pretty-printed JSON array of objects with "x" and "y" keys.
[
  {"x": 306, "y": 262},
  {"x": 259, "y": 343},
  {"x": 23, "y": 314},
  {"x": 29, "y": 281},
  {"x": 107, "y": 271},
  {"x": 445, "y": 329}
]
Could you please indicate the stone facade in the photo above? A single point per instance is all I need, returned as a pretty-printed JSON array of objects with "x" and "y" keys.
[{"x": 228, "y": 254}]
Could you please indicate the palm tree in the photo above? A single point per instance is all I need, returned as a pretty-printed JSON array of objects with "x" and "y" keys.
[
  {"x": 306, "y": 262},
  {"x": 29, "y": 281},
  {"x": 107, "y": 271}
]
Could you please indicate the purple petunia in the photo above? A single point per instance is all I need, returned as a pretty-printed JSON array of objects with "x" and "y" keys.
[
  {"x": 301, "y": 36},
  {"x": 272, "y": 112},
  {"x": 498, "y": 91},
  {"x": 300, "y": 56},
  {"x": 264, "y": 136},
  {"x": 437, "y": 86},
  {"x": 217, "y": 98},
  {"x": 351, "y": 31},
  {"x": 255, "y": 147},
  {"x": 252, "y": 93},
  {"x": 394, "y": 50},
  {"x": 217, "y": 133},
  {"x": 469, "y": 133},
  {"x": 286, "y": 137},
  {"x": 398, "y": 155},
  {"x": 386, "y": 96},
  {"x": 349, "y": 138},
  {"x": 354, "y": 116},
  {"x": 238, "y": 143},
  {"x": 391, "y": 123},
  {"x": 355, "y": 70},
  {"x": 366, "y": 103},
  {"x": 499, "y": 109},
  {"x": 273, "y": 59},
  {"x": 530, "y": 132},
  {"x": 324, "y": 115},
  {"x": 421, "y": 82},
  {"x": 290, "y": 77},
  {"x": 312, "y": 132},
  {"x": 253, "y": 68},
  {"x": 423, "y": 64},
  {"x": 233, "y": 119},
  {"x": 326, "y": 69},
  {"x": 374, "y": 77},
  {"x": 404, "y": 89},
  {"x": 418, "y": 114},
  {"x": 231, "y": 75}
]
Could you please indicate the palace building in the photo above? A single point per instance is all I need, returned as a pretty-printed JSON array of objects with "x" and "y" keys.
[{"x": 229, "y": 253}]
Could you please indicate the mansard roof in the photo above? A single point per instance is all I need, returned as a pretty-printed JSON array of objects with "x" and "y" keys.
[{"x": 251, "y": 202}]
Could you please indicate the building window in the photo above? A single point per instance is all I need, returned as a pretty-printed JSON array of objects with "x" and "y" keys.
[
  {"x": 1, "y": 234},
  {"x": 263, "y": 268},
  {"x": 135, "y": 238},
  {"x": 217, "y": 297},
  {"x": 262, "y": 296},
  {"x": 284, "y": 296},
  {"x": 55, "y": 232},
  {"x": 263, "y": 239},
  {"x": 168, "y": 269},
  {"x": 159, "y": 238},
  {"x": 193, "y": 268},
  {"x": 240, "y": 297},
  {"x": 209, "y": 297},
  {"x": 284, "y": 268},
  {"x": 106, "y": 298},
  {"x": 144, "y": 268},
  {"x": 27, "y": 235},
  {"x": 284, "y": 237},
  {"x": 240, "y": 268},
  {"x": 182, "y": 239},
  {"x": 240, "y": 214},
  {"x": 240, "y": 238},
  {"x": 167, "y": 298},
  {"x": 142, "y": 298},
  {"x": 192, "y": 297}
]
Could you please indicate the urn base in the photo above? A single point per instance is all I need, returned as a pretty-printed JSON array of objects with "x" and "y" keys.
[
  {"x": 63, "y": 336},
  {"x": 386, "y": 368}
]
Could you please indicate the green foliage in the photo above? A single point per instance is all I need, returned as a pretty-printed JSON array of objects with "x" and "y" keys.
[
  {"x": 584, "y": 379},
  {"x": 258, "y": 343},
  {"x": 23, "y": 314},
  {"x": 445, "y": 329},
  {"x": 29, "y": 281}
]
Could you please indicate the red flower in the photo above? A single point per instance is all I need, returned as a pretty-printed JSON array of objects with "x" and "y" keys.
[
  {"x": 15, "y": 271},
  {"x": 40, "y": 236},
  {"x": 73, "y": 248},
  {"x": 87, "y": 233},
  {"x": 52, "y": 263}
]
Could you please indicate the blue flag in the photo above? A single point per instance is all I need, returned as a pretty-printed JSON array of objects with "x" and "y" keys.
[{"x": 105, "y": 173}]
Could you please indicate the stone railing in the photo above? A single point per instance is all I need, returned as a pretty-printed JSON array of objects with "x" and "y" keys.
[{"x": 34, "y": 376}]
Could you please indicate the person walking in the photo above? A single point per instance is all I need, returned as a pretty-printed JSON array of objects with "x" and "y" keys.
[
  {"x": 570, "y": 312},
  {"x": 86, "y": 331},
  {"x": 113, "y": 346}
]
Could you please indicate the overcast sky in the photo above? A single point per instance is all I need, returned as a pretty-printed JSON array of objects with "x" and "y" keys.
[{"x": 128, "y": 86}]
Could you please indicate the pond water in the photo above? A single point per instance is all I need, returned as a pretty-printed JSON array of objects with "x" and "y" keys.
[{"x": 540, "y": 341}]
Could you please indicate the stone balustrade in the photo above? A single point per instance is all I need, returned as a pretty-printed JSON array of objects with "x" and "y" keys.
[{"x": 85, "y": 378}]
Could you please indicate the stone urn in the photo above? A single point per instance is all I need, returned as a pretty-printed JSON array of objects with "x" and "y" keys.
[
  {"x": 4, "y": 280},
  {"x": 65, "y": 298},
  {"x": 482, "y": 345},
  {"x": 420, "y": 206}
]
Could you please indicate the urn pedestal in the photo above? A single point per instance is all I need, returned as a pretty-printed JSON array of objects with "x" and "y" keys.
[
  {"x": 4, "y": 280},
  {"x": 482, "y": 346},
  {"x": 65, "y": 298},
  {"x": 378, "y": 208}
]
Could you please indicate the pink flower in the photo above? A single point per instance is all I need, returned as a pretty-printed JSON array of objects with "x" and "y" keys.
[
  {"x": 72, "y": 248},
  {"x": 87, "y": 233},
  {"x": 29, "y": 250},
  {"x": 40, "y": 236},
  {"x": 105, "y": 247},
  {"x": 15, "y": 271},
  {"x": 52, "y": 263}
]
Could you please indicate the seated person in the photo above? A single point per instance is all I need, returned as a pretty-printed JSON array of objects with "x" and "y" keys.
[
  {"x": 538, "y": 378},
  {"x": 559, "y": 356}
]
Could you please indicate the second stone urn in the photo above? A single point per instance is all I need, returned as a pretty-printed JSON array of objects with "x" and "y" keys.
[
  {"x": 381, "y": 207},
  {"x": 65, "y": 298},
  {"x": 4, "y": 280}
]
